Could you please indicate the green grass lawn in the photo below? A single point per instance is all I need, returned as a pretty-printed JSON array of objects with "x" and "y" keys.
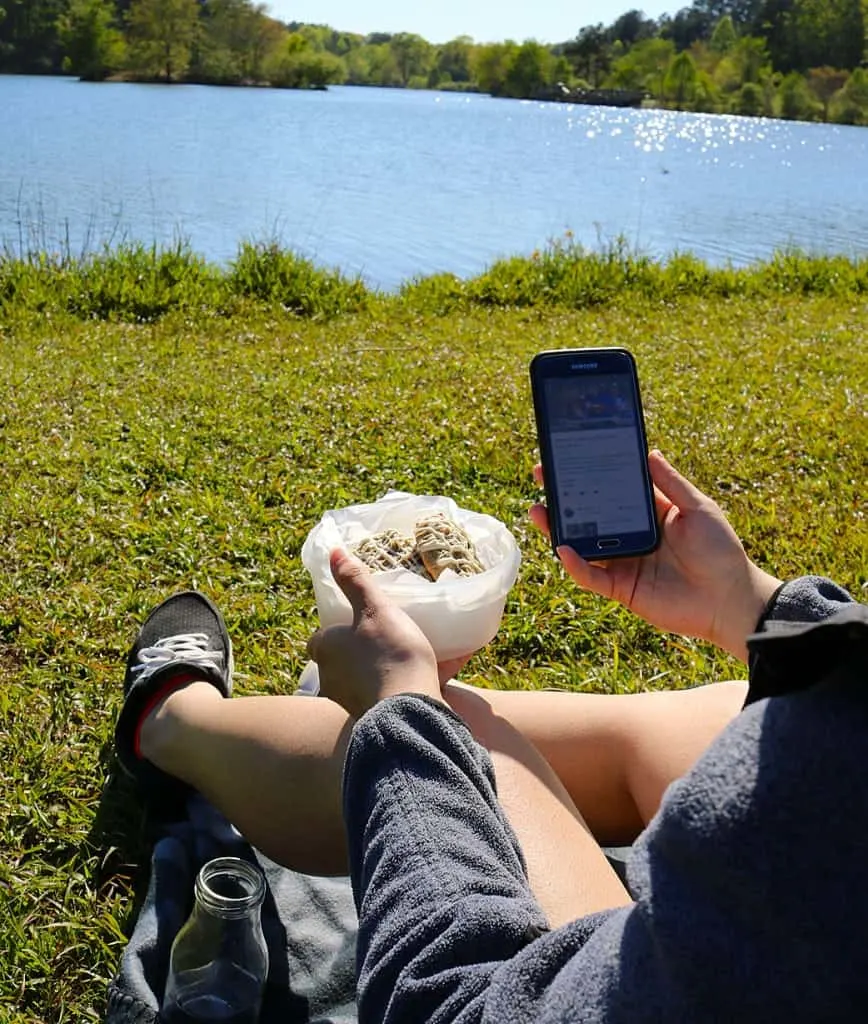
[{"x": 198, "y": 449}]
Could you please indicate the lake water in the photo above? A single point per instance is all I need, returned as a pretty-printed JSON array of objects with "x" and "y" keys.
[{"x": 393, "y": 183}]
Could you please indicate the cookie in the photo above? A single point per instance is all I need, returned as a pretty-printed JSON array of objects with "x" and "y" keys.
[
  {"x": 383, "y": 552},
  {"x": 444, "y": 545}
]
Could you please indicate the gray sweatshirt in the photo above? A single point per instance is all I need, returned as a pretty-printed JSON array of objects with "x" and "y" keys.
[{"x": 747, "y": 884}]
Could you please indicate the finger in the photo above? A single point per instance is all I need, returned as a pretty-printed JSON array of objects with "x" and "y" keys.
[
  {"x": 539, "y": 516},
  {"x": 591, "y": 576},
  {"x": 317, "y": 644},
  {"x": 538, "y": 475},
  {"x": 450, "y": 668},
  {"x": 356, "y": 582},
  {"x": 661, "y": 503},
  {"x": 323, "y": 639},
  {"x": 678, "y": 489}
]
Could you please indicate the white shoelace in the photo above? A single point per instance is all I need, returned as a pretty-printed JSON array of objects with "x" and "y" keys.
[{"x": 187, "y": 647}]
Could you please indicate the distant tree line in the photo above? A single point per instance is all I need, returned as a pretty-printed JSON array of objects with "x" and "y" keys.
[{"x": 798, "y": 59}]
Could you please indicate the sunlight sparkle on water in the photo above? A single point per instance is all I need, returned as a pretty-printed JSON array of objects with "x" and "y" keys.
[{"x": 658, "y": 130}]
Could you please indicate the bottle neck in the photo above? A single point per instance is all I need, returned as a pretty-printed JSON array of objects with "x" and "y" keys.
[{"x": 230, "y": 888}]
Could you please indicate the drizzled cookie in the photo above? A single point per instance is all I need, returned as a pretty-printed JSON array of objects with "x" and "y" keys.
[
  {"x": 438, "y": 544},
  {"x": 443, "y": 544},
  {"x": 383, "y": 552}
]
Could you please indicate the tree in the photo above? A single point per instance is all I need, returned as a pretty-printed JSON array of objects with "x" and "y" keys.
[
  {"x": 643, "y": 67},
  {"x": 724, "y": 37},
  {"x": 754, "y": 59},
  {"x": 830, "y": 32},
  {"x": 29, "y": 41},
  {"x": 687, "y": 27},
  {"x": 382, "y": 66},
  {"x": 706, "y": 96},
  {"x": 824, "y": 83},
  {"x": 742, "y": 12},
  {"x": 530, "y": 71},
  {"x": 850, "y": 105},
  {"x": 679, "y": 84},
  {"x": 796, "y": 101},
  {"x": 93, "y": 46},
  {"x": 453, "y": 60},
  {"x": 414, "y": 56},
  {"x": 697, "y": 22},
  {"x": 749, "y": 101},
  {"x": 303, "y": 67},
  {"x": 776, "y": 23},
  {"x": 589, "y": 53},
  {"x": 491, "y": 63},
  {"x": 235, "y": 40},
  {"x": 631, "y": 28},
  {"x": 342, "y": 43},
  {"x": 802, "y": 34},
  {"x": 163, "y": 33}
]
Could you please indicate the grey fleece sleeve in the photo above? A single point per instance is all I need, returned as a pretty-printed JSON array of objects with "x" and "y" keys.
[
  {"x": 806, "y": 599},
  {"x": 797, "y": 643}
]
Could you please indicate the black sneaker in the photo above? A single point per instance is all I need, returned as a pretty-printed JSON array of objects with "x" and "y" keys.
[{"x": 185, "y": 634}]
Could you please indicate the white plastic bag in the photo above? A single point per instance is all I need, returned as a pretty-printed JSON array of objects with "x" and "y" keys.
[{"x": 458, "y": 614}]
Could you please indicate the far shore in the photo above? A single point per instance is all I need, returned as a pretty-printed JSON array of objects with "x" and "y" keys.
[{"x": 646, "y": 103}]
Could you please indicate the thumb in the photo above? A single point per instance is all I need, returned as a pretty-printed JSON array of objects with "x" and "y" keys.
[
  {"x": 677, "y": 488},
  {"x": 356, "y": 583}
]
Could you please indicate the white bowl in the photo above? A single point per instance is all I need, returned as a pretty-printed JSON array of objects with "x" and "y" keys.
[{"x": 458, "y": 614}]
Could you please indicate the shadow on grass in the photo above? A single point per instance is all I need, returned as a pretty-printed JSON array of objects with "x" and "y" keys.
[{"x": 122, "y": 837}]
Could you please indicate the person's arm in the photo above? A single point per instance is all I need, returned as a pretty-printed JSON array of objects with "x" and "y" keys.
[{"x": 746, "y": 883}]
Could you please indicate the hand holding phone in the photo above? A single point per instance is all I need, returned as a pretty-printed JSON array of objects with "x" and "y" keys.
[
  {"x": 594, "y": 452},
  {"x": 699, "y": 581}
]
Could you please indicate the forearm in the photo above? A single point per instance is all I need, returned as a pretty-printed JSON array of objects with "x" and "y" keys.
[
  {"x": 741, "y": 610},
  {"x": 437, "y": 873},
  {"x": 761, "y": 598}
]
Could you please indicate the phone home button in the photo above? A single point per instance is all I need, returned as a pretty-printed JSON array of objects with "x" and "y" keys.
[{"x": 609, "y": 543}]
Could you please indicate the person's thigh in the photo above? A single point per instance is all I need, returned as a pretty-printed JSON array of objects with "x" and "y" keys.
[
  {"x": 614, "y": 755},
  {"x": 273, "y": 766},
  {"x": 566, "y": 868}
]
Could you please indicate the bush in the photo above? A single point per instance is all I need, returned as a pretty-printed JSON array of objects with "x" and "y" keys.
[
  {"x": 850, "y": 103},
  {"x": 138, "y": 283},
  {"x": 271, "y": 274},
  {"x": 131, "y": 282},
  {"x": 795, "y": 99},
  {"x": 749, "y": 100},
  {"x": 306, "y": 69}
]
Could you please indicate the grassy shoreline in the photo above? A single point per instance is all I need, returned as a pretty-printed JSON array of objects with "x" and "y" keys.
[
  {"x": 153, "y": 438},
  {"x": 138, "y": 283}
]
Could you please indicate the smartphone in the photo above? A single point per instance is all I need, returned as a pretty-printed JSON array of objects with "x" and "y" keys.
[{"x": 594, "y": 453}]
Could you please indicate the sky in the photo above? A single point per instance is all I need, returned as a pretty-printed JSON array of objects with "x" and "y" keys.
[{"x": 549, "y": 21}]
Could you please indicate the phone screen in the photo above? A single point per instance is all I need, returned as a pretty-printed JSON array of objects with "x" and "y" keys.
[{"x": 594, "y": 454}]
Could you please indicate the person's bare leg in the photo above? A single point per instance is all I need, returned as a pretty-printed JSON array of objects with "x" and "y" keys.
[
  {"x": 615, "y": 755},
  {"x": 273, "y": 766}
]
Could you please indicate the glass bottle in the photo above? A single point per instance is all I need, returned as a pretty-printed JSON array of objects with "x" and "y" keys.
[{"x": 219, "y": 960}]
